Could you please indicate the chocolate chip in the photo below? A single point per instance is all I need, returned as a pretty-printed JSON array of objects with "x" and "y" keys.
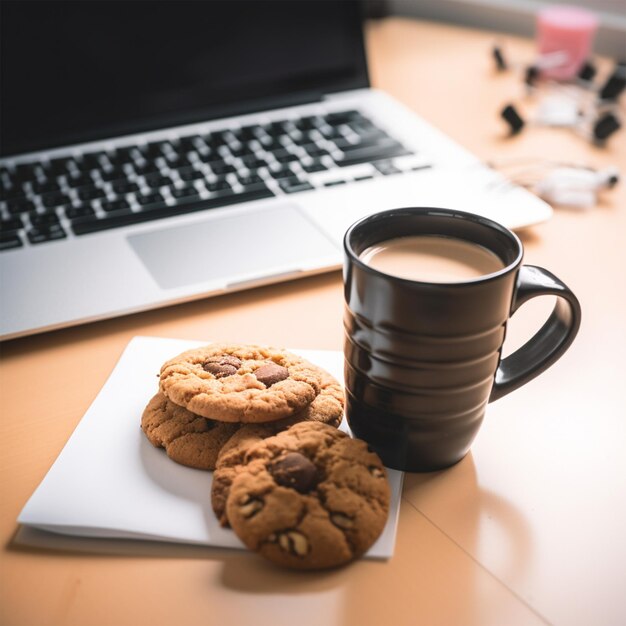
[
  {"x": 221, "y": 366},
  {"x": 271, "y": 373},
  {"x": 296, "y": 471}
]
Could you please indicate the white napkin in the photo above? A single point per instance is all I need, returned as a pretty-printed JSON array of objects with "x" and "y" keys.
[{"x": 109, "y": 481}]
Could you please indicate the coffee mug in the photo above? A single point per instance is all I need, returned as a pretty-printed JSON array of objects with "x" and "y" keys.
[{"x": 423, "y": 353}]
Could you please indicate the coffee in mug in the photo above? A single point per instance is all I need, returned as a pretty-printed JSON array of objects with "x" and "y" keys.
[
  {"x": 428, "y": 293},
  {"x": 431, "y": 259}
]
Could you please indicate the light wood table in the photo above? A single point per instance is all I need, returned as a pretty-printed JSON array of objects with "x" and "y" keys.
[{"x": 527, "y": 529}]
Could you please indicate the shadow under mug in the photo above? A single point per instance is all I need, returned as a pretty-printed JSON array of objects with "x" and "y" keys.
[{"x": 423, "y": 360}]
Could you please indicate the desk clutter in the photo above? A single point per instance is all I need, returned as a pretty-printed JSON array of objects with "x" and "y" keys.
[
  {"x": 240, "y": 446},
  {"x": 563, "y": 89},
  {"x": 561, "y": 80},
  {"x": 561, "y": 183},
  {"x": 591, "y": 110}
]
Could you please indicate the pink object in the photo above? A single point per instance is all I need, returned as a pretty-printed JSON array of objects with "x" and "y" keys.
[{"x": 565, "y": 29}]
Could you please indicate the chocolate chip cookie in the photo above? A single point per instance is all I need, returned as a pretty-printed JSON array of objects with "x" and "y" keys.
[
  {"x": 309, "y": 498},
  {"x": 327, "y": 408},
  {"x": 238, "y": 383},
  {"x": 188, "y": 438}
]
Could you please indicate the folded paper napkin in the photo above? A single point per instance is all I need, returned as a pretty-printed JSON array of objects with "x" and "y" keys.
[{"x": 109, "y": 481}]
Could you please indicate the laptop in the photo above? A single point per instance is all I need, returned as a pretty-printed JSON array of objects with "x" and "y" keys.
[{"x": 158, "y": 152}]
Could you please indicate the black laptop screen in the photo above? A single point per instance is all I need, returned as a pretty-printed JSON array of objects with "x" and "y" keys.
[{"x": 78, "y": 71}]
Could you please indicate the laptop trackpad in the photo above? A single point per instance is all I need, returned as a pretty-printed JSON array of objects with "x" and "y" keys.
[{"x": 265, "y": 242}]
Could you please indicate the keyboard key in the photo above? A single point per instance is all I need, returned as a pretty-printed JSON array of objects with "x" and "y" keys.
[
  {"x": 272, "y": 144},
  {"x": 77, "y": 212},
  {"x": 365, "y": 128},
  {"x": 247, "y": 133},
  {"x": 91, "y": 193},
  {"x": 283, "y": 171},
  {"x": 119, "y": 204},
  {"x": 156, "y": 148},
  {"x": 11, "y": 224},
  {"x": 310, "y": 122},
  {"x": 124, "y": 186},
  {"x": 25, "y": 172},
  {"x": 365, "y": 142},
  {"x": 219, "y": 185},
  {"x": 334, "y": 183},
  {"x": 55, "y": 199},
  {"x": 178, "y": 161},
  {"x": 369, "y": 133},
  {"x": 94, "y": 225},
  {"x": 149, "y": 167},
  {"x": 316, "y": 166},
  {"x": 275, "y": 129},
  {"x": 91, "y": 160},
  {"x": 40, "y": 235},
  {"x": 14, "y": 191},
  {"x": 83, "y": 180},
  {"x": 253, "y": 162},
  {"x": 251, "y": 179},
  {"x": 289, "y": 185},
  {"x": 341, "y": 143},
  {"x": 241, "y": 151},
  {"x": 10, "y": 241},
  {"x": 46, "y": 186},
  {"x": 372, "y": 153},
  {"x": 332, "y": 133},
  {"x": 315, "y": 152},
  {"x": 222, "y": 168},
  {"x": 216, "y": 139},
  {"x": 342, "y": 117},
  {"x": 303, "y": 140},
  {"x": 44, "y": 220},
  {"x": 190, "y": 142},
  {"x": 20, "y": 205},
  {"x": 210, "y": 157},
  {"x": 189, "y": 174},
  {"x": 386, "y": 168},
  {"x": 184, "y": 192},
  {"x": 123, "y": 155},
  {"x": 117, "y": 173},
  {"x": 60, "y": 166},
  {"x": 157, "y": 180},
  {"x": 284, "y": 156},
  {"x": 149, "y": 198}
]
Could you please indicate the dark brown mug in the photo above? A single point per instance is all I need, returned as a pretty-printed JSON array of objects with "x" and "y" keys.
[{"x": 423, "y": 360}]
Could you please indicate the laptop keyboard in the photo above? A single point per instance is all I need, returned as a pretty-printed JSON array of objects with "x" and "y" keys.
[{"x": 95, "y": 191}]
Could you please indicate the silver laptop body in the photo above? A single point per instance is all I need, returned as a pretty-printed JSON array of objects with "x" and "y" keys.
[{"x": 133, "y": 221}]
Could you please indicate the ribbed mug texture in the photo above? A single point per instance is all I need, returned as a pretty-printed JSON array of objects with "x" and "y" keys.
[{"x": 420, "y": 358}]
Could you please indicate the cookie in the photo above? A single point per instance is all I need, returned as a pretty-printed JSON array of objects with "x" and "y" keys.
[
  {"x": 238, "y": 383},
  {"x": 310, "y": 497},
  {"x": 327, "y": 408},
  {"x": 188, "y": 438}
]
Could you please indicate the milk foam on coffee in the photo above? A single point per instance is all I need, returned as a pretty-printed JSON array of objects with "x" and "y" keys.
[{"x": 431, "y": 258}]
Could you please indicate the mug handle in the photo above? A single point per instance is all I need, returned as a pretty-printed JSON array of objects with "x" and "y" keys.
[{"x": 550, "y": 342}]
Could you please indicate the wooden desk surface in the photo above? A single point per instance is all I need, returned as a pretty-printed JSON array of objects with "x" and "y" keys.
[{"x": 527, "y": 529}]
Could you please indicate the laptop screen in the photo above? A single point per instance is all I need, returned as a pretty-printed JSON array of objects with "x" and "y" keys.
[{"x": 79, "y": 71}]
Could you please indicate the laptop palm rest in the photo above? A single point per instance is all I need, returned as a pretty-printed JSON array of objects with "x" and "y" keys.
[{"x": 256, "y": 244}]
